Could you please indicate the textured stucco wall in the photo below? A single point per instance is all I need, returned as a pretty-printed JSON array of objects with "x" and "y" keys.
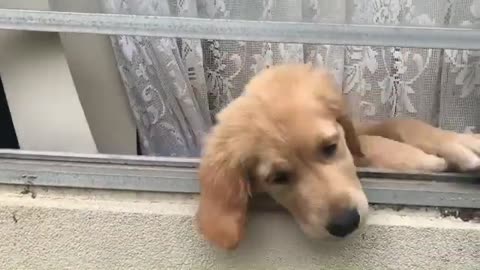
[{"x": 72, "y": 229}]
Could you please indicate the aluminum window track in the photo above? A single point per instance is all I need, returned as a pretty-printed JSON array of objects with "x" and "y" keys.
[
  {"x": 241, "y": 30},
  {"x": 178, "y": 175}
]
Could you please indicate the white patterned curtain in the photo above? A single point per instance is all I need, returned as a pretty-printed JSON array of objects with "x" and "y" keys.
[{"x": 176, "y": 86}]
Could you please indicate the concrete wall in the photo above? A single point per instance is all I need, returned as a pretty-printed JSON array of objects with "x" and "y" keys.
[
  {"x": 73, "y": 229},
  {"x": 25, "y": 4}
]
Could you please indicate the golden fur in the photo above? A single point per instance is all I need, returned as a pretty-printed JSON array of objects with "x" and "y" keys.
[{"x": 290, "y": 135}]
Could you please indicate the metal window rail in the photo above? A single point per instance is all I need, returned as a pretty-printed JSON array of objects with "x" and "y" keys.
[
  {"x": 220, "y": 29},
  {"x": 178, "y": 175}
]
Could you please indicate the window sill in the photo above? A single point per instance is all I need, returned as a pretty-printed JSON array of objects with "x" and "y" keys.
[{"x": 178, "y": 175}]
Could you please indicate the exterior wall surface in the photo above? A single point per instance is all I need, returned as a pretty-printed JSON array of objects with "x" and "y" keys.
[{"x": 74, "y": 229}]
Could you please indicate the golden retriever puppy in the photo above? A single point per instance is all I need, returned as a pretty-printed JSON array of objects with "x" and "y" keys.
[{"x": 290, "y": 135}]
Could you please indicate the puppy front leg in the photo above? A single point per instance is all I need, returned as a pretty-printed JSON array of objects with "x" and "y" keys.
[
  {"x": 459, "y": 150},
  {"x": 383, "y": 153}
]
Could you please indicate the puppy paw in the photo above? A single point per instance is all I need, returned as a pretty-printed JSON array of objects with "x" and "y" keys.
[
  {"x": 388, "y": 154},
  {"x": 464, "y": 152},
  {"x": 460, "y": 151}
]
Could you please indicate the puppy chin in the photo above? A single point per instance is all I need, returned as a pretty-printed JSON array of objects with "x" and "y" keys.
[
  {"x": 361, "y": 203},
  {"x": 315, "y": 232},
  {"x": 319, "y": 234}
]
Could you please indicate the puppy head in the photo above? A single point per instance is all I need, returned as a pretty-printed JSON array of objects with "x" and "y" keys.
[{"x": 289, "y": 136}]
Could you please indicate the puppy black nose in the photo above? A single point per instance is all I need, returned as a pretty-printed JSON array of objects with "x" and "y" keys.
[{"x": 344, "y": 224}]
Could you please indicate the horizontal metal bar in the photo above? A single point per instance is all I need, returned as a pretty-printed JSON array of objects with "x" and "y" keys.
[
  {"x": 422, "y": 193},
  {"x": 100, "y": 158},
  {"x": 220, "y": 29},
  {"x": 160, "y": 175},
  {"x": 177, "y": 162}
]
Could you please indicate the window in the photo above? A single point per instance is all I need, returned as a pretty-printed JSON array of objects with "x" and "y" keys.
[{"x": 177, "y": 174}]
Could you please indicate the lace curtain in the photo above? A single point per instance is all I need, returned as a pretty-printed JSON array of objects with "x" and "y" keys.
[{"x": 176, "y": 86}]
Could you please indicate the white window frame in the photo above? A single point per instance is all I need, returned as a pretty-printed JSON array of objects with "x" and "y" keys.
[{"x": 178, "y": 175}]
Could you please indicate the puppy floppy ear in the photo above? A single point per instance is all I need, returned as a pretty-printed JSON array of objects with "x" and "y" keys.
[
  {"x": 351, "y": 136},
  {"x": 224, "y": 194}
]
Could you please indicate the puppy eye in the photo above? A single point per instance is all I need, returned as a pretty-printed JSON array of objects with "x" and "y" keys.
[
  {"x": 281, "y": 177},
  {"x": 329, "y": 151}
]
